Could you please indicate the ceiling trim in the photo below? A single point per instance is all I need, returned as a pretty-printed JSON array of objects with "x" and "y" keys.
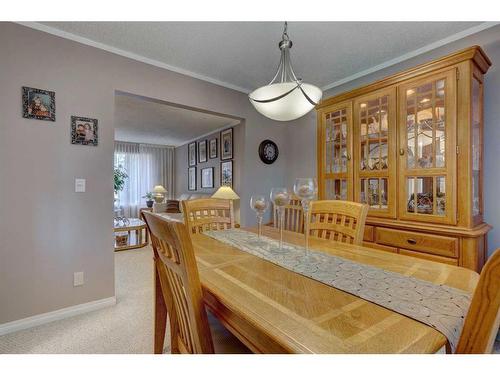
[
  {"x": 133, "y": 56},
  {"x": 409, "y": 55},
  {"x": 130, "y": 55},
  {"x": 227, "y": 126}
]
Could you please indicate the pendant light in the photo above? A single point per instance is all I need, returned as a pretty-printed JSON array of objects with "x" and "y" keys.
[{"x": 286, "y": 97}]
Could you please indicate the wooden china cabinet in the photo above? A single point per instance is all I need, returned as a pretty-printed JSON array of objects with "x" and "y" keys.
[{"x": 411, "y": 147}]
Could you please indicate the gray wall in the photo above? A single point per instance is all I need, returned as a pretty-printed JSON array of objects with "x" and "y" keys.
[
  {"x": 47, "y": 231},
  {"x": 301, "y": 136},
  {"x": 181, "y": 164}
]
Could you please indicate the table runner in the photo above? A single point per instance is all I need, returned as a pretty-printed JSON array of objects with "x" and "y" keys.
[{"x": 439, "y": 306}]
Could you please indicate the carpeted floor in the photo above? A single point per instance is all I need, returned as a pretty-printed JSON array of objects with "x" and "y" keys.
[{"x": 126, "y": 327}]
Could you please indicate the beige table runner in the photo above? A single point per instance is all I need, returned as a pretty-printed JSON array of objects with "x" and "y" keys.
[{"x": 439, "y": 306}]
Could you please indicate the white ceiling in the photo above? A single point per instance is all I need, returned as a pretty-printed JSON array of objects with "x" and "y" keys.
[
  {"x": 244, "y": 55},
  {"x": 146, "y": 121}
]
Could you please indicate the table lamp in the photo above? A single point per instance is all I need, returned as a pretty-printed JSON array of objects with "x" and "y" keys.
[
  {"x": 225, "y": 192},
  {"x": 159, "y": 193}
]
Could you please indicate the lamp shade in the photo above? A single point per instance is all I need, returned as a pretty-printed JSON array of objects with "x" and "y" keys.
[
  {"x": 225, "y": 192},
  {"x": 290, "y": 106},
  {"x": 159, "y": 189}
]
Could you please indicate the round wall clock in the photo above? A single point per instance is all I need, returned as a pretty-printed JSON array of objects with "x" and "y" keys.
[{"x": 268, "y": 151}]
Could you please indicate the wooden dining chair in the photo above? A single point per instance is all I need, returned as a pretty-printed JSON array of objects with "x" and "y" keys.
[
  {"x": 483, "y": 319},
  {"x": 178, "y": 292},
  {"x": 342, "y": 221},
  {"x": 294, "y": 217},
  {"x": 208, "y": 214}
]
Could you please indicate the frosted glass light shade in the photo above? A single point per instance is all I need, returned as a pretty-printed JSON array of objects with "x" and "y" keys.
[
  {"x": 289, "y": 107},
  {"x": 225, "y": 192}
]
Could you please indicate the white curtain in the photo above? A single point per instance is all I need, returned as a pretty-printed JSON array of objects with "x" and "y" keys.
[{"x": 146, "y": 166}]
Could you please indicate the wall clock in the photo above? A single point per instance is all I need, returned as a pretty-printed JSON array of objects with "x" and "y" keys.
[{"x": 268, "y": 151}]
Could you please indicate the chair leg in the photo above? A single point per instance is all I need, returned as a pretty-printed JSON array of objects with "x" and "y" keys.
[{"x": 160, "y": 316}]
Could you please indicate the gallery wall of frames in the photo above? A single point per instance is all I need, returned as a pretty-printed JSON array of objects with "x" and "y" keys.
[{"x": 210, "y": 161}]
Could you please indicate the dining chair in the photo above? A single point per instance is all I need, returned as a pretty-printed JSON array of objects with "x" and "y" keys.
[
  {"x": 483, "y": 319},
  {"x": 293, "y": 219},
  {"x": 178, "y": 293},
  {"x": 208, "y": 214},
  {"x": 337, "y": 220}
]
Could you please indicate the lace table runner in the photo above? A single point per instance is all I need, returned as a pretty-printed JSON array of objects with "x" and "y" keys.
[{"x": 439, "y": 306}]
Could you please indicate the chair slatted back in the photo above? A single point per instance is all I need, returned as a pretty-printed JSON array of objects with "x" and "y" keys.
[
  {"x": 337, "y": 220},
  {"x": 208, "y": 214},
  {"x": 294, "y": 217},
  {"x": 180, "y": 285},
  {"x": 483, "y": 319}
]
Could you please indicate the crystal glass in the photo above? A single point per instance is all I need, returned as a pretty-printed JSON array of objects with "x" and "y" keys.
[
  {"x": 280, "y": 197},
  {"x": 306, "y": 189},
  {"x": 259, "y": 204}
]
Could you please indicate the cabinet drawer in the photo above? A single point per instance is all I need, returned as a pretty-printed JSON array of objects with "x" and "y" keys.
[
  {"x": 368, "y": 235},
  {"x": 374, "y": 245},
  {"x": 435, "y": 258},
  {"x": 427, "y": 243}
]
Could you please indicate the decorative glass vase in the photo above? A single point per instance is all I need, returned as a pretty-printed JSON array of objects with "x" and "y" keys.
[
  {"x": 306, "y": 189},
  {"x": 259, "y": 204},
  {"x": 281, "y": 198}
]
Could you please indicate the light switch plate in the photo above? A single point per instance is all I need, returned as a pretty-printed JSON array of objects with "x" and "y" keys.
[
  {"x": 79, "y": 185},
  {"x": 78, "y": 279}
]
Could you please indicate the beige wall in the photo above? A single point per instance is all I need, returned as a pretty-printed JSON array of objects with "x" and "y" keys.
[
  {"x": 302, "y": 135},
  {"x": 47, "y": 231}
]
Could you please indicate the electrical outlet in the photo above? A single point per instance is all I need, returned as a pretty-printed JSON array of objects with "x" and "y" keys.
[
  {"x": 79, "y": 185},
  {"x": 78, "y": 279}
]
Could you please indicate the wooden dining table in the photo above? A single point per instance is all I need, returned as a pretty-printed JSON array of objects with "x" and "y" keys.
[{"x": 274, "y": 310}]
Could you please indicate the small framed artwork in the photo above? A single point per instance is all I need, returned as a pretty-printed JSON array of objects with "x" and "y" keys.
[
  {"x": 212, "y": 148},
  {"x": 202, "y": 151},
  {"x": 207, "y": 178},
  {"x": 226, "y": 144},
  {"x": 192, "y": 178},
  {"x": 39, "y": 104},
  {"x": 84, "y": 131},
  {"x": 191, "y": 154},
  {"x": 226, "y": 173}
]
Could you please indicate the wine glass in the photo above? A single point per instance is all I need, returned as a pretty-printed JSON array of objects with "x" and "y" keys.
[
  {"x": 306, "y": 189},
  {"x": 280, "y": 197},
  {"x": 259, "y": 204}
]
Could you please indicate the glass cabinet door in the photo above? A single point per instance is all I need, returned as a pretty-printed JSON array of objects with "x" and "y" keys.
[
  {"x": 477, "y": 146},
  {"x": 428, "y": 148},
  {"x": 336, "y": 140},
  {"x": 375, "y": 157}
]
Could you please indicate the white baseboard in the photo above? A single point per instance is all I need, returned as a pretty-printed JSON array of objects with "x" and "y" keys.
[{"x": 52, "y": 316}]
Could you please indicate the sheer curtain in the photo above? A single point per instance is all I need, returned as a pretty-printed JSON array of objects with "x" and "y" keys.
[{"x": 146, "y": 166}]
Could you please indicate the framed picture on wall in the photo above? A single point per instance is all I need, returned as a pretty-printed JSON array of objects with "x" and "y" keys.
[
  {"x": 84, "y": 131},
  {"x": 226, "y": 173},
  {"x": 192, "y": 179},
  {"x": 39, "y": 104},
  {"x": 192, "y": 154},
  {"x": 226, "y": 144},
  {"x": 207, "y": 178},
  {"x": 212, "y": 148},
  {"x": 202, "y": 151}
]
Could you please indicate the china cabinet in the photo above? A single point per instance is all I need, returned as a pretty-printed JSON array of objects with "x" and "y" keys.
[{"x": 410, "y": 146}]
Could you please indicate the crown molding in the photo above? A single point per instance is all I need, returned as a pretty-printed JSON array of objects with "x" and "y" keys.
[
  {"x": 227, "y": 126},
  {"x": 409, "y": 55},
  {"x": 130, "y": 55},
  {"x": 159, "y": 64}
]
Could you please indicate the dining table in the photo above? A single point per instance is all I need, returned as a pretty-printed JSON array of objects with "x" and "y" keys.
[{"x": 272, "y": 309}]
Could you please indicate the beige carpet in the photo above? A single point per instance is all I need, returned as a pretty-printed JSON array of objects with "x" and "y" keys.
[{"x": 126, "y": 327}]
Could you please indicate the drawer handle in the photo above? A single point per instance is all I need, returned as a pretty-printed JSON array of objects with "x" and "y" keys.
[{"x": 411, "y": 241}]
